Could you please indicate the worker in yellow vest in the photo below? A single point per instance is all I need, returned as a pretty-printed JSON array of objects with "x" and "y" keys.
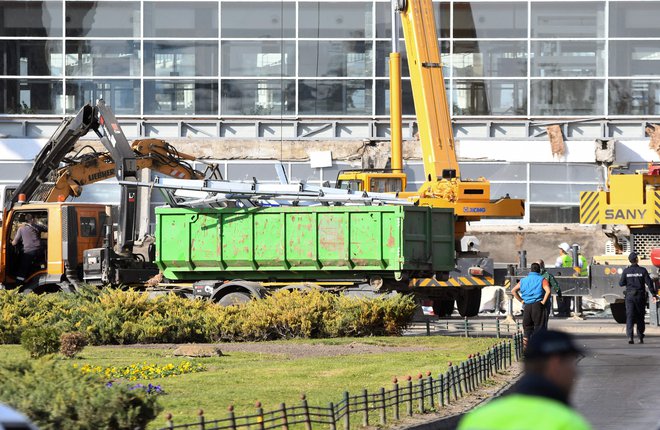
[
  {"x": 564, "y": 259},
  {"x": 540, "y": 399},
  {"x": 582, "y": 261}
]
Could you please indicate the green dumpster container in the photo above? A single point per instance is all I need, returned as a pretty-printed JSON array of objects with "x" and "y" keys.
[{"x": 282, "y": 244}]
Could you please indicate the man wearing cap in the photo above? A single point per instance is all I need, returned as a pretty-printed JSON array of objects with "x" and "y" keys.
[
  {"x": 633, "y": 278},
  {"x": 540, "y": 400},
  {"x": 564, "y": 259},
  {"x": 533, "y": 291}
]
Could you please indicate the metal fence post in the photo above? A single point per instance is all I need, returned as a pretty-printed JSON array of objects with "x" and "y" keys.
[
  {"x": 467, "y": 330},
  {"x": 428, "y": 327},
  {"x": 396, "y": 399},
  {"x": 497, "y": 326},
  {"x": 409, "y": 404},
  {"x": 200, "y": 413},
  {"x": 383, "y": 414},
  {"x": 308, "y": 421},
  {"x": 232, "y": 418},
  {"x": 347, "y": 417},
  {"x": 260, "y": 416},
  {"x": 441, "y": 393},
  {"x": 365, "y": 401},
  {"x": 464, "y": 372},
  {"x": 421, "y": 393},
  {"x": 453, "y": 381},
  {"x": 285, "y": 419},
  {"x": 431, "y": 393},
  {"x": 333, "y": 420}
]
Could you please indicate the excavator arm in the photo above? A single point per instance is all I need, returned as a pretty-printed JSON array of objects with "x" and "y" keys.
[{"x": 154, "y": 154}]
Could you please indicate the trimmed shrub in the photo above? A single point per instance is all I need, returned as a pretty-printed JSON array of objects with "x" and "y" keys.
[
  {"x": 71, "y": 344},
  {"x": 126, "y": 317},
  {"x": 55, "y": 395},
  {"x": 40, "y": 341}
]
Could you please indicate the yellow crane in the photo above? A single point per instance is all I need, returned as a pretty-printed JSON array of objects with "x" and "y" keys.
[{"x": 443, "y": 187}]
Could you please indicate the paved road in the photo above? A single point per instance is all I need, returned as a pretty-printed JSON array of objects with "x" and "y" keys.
[{"x": 619, "y": 384}]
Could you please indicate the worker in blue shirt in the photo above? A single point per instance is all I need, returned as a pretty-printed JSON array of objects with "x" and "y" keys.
[
  {"x": 633, "y": 278},
  {"x": 533, "y": 291}
]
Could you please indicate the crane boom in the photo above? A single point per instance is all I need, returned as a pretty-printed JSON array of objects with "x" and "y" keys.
[{"x": 428, "y": 87}]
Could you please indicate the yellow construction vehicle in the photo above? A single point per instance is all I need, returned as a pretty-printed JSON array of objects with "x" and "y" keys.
[
  {"x": 630, "y": 200},
  {"x": 443, "y": 186},
  {"x": 80, "y": 245}
]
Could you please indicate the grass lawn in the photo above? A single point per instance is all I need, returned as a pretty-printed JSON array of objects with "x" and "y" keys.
[{"x": 241, "y": 378}]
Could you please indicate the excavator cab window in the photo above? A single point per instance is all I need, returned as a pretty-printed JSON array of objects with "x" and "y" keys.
[
  {"x": 16, "y": 258},
  {"x": 385, "y": 185},
  {"x": 352, "y": 184}
]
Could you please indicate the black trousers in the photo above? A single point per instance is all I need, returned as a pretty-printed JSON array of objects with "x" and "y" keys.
[
  {"x": 534, "y": 318},
  {"x": 635, "y": 312},
  {"x": 28, "y": 263}
]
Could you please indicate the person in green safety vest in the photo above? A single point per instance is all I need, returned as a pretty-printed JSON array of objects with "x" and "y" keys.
[
  {"x": 540, "y": 400},
  {"x": 582, "y": 261},
  {"x": 564, "y": 259}
]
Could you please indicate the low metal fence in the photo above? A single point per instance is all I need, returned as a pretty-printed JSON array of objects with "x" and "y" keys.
[
  {"x": 470, "y": 328},
  {"x": 422, "y": 394}
]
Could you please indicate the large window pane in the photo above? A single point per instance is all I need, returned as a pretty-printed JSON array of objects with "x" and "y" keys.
[
  {"x": 103, "y": 19},
  {"x": 180, "y": 97},
  {"x": 262, "y": 97},
  {"x": 383, "y": 98},
  {"x": 326, "y": 19},
  {"x": 634, "y": 18},
  {"x": 180, "y": 58},
  {"x": 270, "y": 58},
  {"x": 258, "y": 19},
  {"x": 490, "y": 59},
  {"x": 567, "y": 58},
  {"x": 634, "y": 57},
  {"x": 495, "y": 172},
  {"x": 383, "y": 50},
  {"x": 567, "y": 97},
  {"x": 123, "y": 96},
  {"x": 31, "y": 57},
  {"x": 30, "y": 96},
  {"x": 486, "y": 97},
  {"x": 335, "y": 58},
  {"x": 181, "y": 19},
  {"x": 33, "y": 19},
  {"x": 564, "y": 172},
  {"x": 102, "y": 58},
  {"x": 634, "y": 97},
  {"x": 577, "y": 19},
  {"x": 560, "y": 193},
  {"x": 346, "y": 97},
  {"x": 554, "y": 214},
  {"x": 490, "y": 19}
]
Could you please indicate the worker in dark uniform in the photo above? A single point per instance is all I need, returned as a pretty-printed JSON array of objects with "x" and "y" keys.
[
  {"x": 633, "y": 278},
  {"x": 554, "y": 287},
  {"x": 29, "y": 236}
]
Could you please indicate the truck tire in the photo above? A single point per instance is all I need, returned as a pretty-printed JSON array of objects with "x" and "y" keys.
[
  {"x": 468, "y": 301},
  {"x": 235, "y": 298},
  {"x": 619, "y": 312},
  {"x": 443, "y": 308}
]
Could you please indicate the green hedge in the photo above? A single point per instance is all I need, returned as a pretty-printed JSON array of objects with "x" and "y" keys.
[
  {"x": 55, "y": 395},
  {"x": 125, "y": 317}
]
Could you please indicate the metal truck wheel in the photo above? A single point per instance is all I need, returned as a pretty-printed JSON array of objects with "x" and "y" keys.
[
  {"x": 236, "y": 298},
  {"x": 619, "y": 312},
  {"x": 443, "y": 308},
  {"x": 468, "y": 301}
]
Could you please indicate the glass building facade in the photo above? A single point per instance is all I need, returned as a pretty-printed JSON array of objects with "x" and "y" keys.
[
  {"x": 318, "y": 70},
  {"x": 518, "y": 59}
]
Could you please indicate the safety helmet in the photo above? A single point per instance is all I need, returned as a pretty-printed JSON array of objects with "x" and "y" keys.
[
  {"x": 575, "y": 245},
  {"x": 564, "y": 246}
]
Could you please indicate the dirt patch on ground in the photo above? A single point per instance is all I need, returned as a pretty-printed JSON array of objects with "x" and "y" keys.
[{"x": 292, "y": 350}]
